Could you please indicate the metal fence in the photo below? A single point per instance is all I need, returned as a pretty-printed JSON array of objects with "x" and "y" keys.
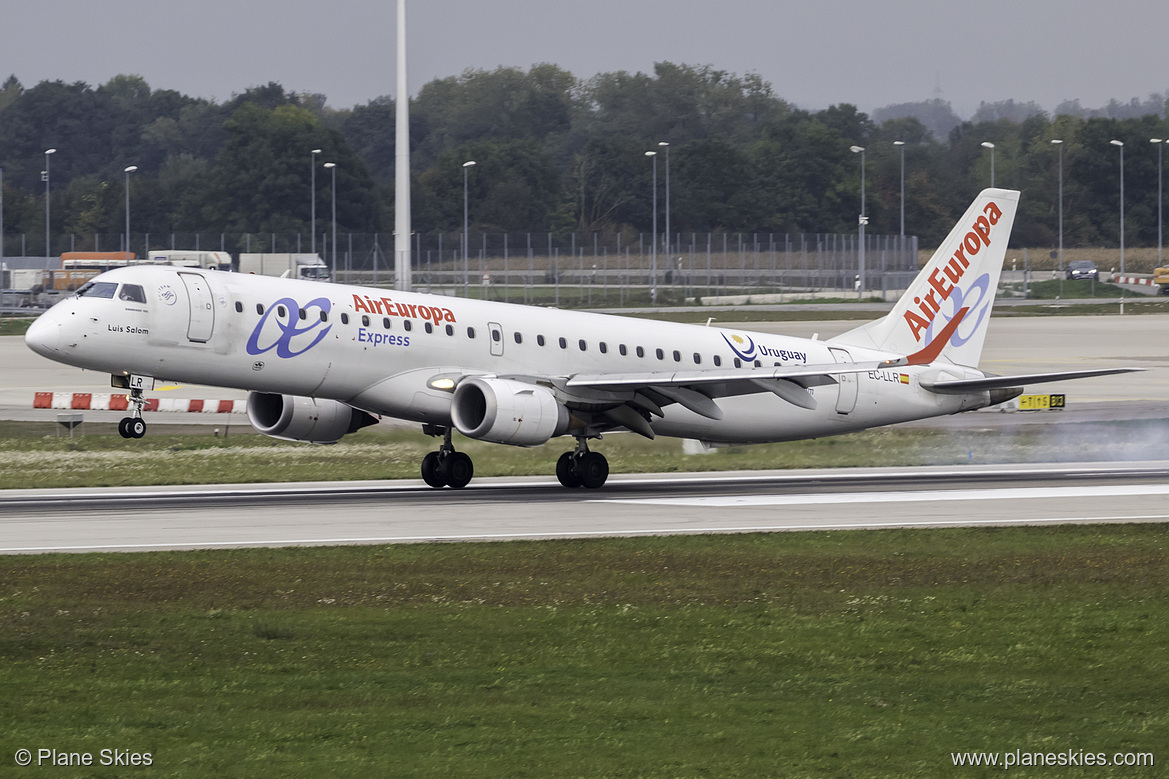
[{"x": 570, "y": 269}]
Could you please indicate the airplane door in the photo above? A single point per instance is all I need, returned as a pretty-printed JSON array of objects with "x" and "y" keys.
[
  {"x": 496, "y": 332},
  {"x": 202, "y": 311},
  {"x": 846, "y": 399}
]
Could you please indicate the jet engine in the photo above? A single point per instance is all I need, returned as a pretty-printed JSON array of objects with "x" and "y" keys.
[
  {"x": 294, "y": 418},
  {"x": 503, "y": 411}
]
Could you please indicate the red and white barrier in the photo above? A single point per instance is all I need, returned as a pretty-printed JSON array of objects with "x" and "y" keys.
[
  {"x": 1133, "y": 280},
  {"x": 106, "y": 401}
]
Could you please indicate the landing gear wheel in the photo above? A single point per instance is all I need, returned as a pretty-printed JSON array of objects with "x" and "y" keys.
[
  {"x": 591, "y": 469},
  {"x": 124, "y": 427},
  {"x": 430, "y": 471},
  {"x": 137, "y": 427},
  {"x": 457, "y": 469},
  {"x": 566, "y": 471}
]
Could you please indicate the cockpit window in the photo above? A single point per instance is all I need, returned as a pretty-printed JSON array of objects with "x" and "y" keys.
[
  {"x": 133, "y": 293},
  {"x": 97, "y": 289}
]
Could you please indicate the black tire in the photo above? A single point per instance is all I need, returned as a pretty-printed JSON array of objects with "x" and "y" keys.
[
  {"x": 592, "y": 469},
  {"x": 124, "y": 427},
  {"x": 137, "y": 427},
  {"x": 458, "y": 469},
  {"x": 431, "y": 473},
  {"x": 566, "y": 471}
]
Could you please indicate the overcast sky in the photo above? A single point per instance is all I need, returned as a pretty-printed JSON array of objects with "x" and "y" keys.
[{"x": 815, "y": 53}]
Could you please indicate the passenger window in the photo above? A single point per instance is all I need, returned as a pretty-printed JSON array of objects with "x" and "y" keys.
[
  {"x": 539, "y": 340},
  {"x": 429, "y": 327},
  {"x": 450, "y": 329},
  {"x": 407, "y": 324},
  {"x": 661, "y": 355},
  {"x": 563, "y": 343},
  {"x": 623, "y": 350},
  {"x": 519, "y": 339},
  {"x": 758, "y": 364},
  {"x": 470, "y": 332},
  {"x": 496, "y": 335},
  {"x": 386, "y": 322},
  {"x": 132, "y": 293},
  {"x": 365, "y": 320},
  {"x": 677, "y": 356},
  {"x": 697, "y": 358},
  {"x": 344, "y": 319},
  {"x": 640, "y": 352},
  {"x": 603, "y": 347},
  {"x": 717, "y": 361},
  {"x": 324, "y": 316},
  {"x": 260, "y": 309},
  {"x": 738, "y": 363},
  {"x": 302, "y": 314},
  {"x": 281, "y": 312},
  {"x": 239, "y": 307},
  {"x": 583, "y": 346}
]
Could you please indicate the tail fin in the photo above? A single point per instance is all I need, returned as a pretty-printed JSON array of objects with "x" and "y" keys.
[{"x": 950, "y": 300}]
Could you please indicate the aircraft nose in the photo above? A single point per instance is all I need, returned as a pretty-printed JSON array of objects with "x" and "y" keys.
[{"x": 44, "y": 336}]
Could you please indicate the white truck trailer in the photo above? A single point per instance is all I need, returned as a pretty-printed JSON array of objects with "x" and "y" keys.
[{"x": 295, "y": 266}]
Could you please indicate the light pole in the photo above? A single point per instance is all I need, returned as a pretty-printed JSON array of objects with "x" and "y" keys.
[
  {"x": 1159, "y": 143},
  {"x": 653, "y": 253},
  {"x": 901, "y": 145},
  {"x": 1120, "y": 145},
  {"x": 313, "y": 187},
  {"x": 1059, "y": 143},
  {"x": 128, "y": 171},
  {"x": 466, "y": 244},
  {"x": 333, "y": 167},
  {"x": 665, "y": 145},
  {"x": 989, "y": 145},
  {"x": 46, "y": 175},
  {"x": 1, "y": 214},
  {"x": 860, "y": 287}
]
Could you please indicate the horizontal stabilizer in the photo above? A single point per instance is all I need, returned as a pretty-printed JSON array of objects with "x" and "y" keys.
[{"x": 963, "y": 386}]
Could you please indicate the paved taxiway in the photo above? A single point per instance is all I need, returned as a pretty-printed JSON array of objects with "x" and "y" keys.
[{"x": 507, "y": 509}]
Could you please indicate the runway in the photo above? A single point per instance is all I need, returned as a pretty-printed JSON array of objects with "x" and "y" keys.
[{"x": 226, "y": 516}]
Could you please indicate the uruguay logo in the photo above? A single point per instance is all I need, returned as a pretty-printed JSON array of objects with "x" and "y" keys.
[
  {"x": 741, "y": 345},
  {"x": 288, "y": 334}
]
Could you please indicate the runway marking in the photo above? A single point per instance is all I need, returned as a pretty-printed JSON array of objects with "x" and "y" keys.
[
  {"x": 922, "y": 496},
  {"x": 925, "y": 523}
]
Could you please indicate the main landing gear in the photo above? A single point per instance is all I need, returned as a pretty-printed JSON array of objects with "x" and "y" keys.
[
  {"x": 134, "y": 426},
  {"x": 446, "y": 467},
  {"x": 582, "y": 468}
]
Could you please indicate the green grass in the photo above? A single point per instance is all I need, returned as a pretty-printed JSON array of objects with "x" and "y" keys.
[
  {"x": 34, "y": 455},
  {"x": 801, "y": 654}
]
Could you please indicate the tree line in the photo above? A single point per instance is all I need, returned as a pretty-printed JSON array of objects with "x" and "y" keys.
[{"x": 555, "y": 153}]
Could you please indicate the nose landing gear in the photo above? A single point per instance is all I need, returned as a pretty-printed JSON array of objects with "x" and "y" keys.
[{"x": 134, "y": 426}]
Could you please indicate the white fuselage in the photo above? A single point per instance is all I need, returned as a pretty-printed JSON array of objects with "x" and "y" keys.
[{"x": 378, "y": 350}]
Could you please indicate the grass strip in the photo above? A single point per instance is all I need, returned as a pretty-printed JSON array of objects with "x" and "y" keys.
[
  {"x": 193, "y": 455},
  {"x": 799, "y": 654}
]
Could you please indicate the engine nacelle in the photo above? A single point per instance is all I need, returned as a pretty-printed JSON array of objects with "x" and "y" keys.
[
  {"x": 507, "y": 412},
  {"x": 294, "y": 418}
]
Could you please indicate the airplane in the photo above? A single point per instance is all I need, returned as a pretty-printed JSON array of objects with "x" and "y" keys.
[{"x": 321, "y": 360}]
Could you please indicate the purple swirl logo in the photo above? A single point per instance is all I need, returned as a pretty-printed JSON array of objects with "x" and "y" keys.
[{"x": 290, "y": 328}]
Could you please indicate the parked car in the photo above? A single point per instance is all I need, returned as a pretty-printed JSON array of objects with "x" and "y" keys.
[{"x": 1083, "y": 269}]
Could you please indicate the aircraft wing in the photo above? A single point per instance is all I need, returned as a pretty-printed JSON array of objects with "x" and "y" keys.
[
  {"x": 698, "y": 390},
  {"x": 962, "y": 386},
  {"x": 811, "y": 375}
]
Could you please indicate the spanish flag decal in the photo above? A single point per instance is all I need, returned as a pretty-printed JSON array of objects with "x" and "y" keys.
[{"x": 904, "y": 378}]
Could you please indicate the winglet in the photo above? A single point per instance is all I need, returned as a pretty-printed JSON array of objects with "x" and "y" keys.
[{"x": 934, "y": 347}]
